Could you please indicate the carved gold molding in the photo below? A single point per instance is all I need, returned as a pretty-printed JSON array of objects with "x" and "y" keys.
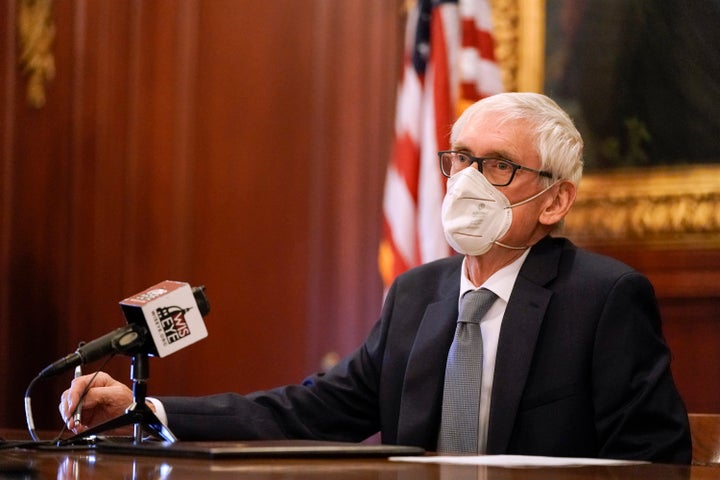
[
  {"x": 36, "y": 33},
  {"x": 658, "y": 207},
  {"x": 519, "y": 34},
  {"x": 505, "y": 18}
]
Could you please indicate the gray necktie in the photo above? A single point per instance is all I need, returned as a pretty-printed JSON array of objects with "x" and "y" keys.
[{"x": 463, "y": 377}]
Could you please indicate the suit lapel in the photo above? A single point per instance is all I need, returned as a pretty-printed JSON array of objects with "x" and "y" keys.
[
  {"x": 518, "y": 335},
  {"x": 423, "y": 383}
]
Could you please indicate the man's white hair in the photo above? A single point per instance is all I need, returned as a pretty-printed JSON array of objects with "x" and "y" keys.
[{"x": 557, "y": 141}]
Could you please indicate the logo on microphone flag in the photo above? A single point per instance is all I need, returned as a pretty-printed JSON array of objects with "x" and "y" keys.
[{"x": 170, "y": 312}]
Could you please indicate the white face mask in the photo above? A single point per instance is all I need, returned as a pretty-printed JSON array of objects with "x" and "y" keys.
[{"x": 475, "y": 214}]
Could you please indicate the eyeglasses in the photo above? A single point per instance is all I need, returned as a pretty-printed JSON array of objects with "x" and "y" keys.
[{"x": 499, "y": 171}]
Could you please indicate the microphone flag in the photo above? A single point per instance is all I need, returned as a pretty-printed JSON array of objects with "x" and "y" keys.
[{"x": 172, "y": 314}]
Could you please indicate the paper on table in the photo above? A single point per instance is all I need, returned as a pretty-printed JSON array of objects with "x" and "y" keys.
[{"x": 517, "y": 461}]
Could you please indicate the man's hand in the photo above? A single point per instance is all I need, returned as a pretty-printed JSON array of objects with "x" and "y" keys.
[{"x": 106, "y": 399}]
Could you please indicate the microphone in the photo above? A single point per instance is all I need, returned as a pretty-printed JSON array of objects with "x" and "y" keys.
[
  {"x": 120, "y": 340},
  {"x": 161, "y": 320}
]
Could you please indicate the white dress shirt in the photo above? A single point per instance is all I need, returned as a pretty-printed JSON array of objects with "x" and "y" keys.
[{"x": 501, "y": 284}]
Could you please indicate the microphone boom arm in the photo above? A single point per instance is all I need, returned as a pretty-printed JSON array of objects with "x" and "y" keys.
[{"x": 121, "y": 340}]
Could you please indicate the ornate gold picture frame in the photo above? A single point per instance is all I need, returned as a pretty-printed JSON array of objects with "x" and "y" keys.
[{"x": 658, "y": 206}]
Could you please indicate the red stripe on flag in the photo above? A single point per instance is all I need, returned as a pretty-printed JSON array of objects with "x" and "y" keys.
[
  {"x": 469, "y": 91},
  {"x": 390, "y": 259},
  {"x": 407, "y": 159},
  {"x": 480, "y": 40},
  {"x": 442, "y": 90}
]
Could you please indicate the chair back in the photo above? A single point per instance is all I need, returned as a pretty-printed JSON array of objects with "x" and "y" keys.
[{"x": 705, "y": 432}]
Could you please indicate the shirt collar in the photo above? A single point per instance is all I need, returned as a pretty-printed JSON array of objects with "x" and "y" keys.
[{"x": 500, "y": 283}]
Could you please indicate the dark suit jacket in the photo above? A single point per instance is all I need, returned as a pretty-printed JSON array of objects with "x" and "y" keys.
[{"x": 582, "y": 369}]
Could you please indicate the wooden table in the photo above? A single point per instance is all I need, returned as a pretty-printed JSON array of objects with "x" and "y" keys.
[{"x": 82, "y": 464}]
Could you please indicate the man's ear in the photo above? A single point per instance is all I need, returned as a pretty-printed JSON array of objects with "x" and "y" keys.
[{"x": 563, "y": 199}]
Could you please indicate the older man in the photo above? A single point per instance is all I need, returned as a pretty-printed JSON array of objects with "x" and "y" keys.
[{"x": 524, "y": 344}]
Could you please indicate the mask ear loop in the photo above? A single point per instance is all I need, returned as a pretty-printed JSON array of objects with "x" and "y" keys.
[
  {"x": 523, "y": 202},
  {"x": 510, "y": 247},
  {"x": 530, "y": 199}
]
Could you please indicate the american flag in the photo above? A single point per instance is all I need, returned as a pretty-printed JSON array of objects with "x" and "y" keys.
[{"x": 449, "y": 63}]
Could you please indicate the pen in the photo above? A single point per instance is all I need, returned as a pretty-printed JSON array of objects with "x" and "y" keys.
[{"x": 76, "y": 416}]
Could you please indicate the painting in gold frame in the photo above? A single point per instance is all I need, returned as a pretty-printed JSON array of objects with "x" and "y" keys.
[{"x": 672, "y": 206}]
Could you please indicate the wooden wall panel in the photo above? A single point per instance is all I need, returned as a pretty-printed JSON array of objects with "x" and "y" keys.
[
  {"x": 693, "y": 332},
  {"x": 353, "y": 137},
  {"x": 36, "y": 213},
  {"x": 8, "y": 85},
  {"x": 217, "y": 142},
  {"x": 252, "y": 166}
]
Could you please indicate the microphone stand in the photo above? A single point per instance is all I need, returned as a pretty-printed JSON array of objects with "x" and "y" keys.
[{"x": 137, "y": 414}]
